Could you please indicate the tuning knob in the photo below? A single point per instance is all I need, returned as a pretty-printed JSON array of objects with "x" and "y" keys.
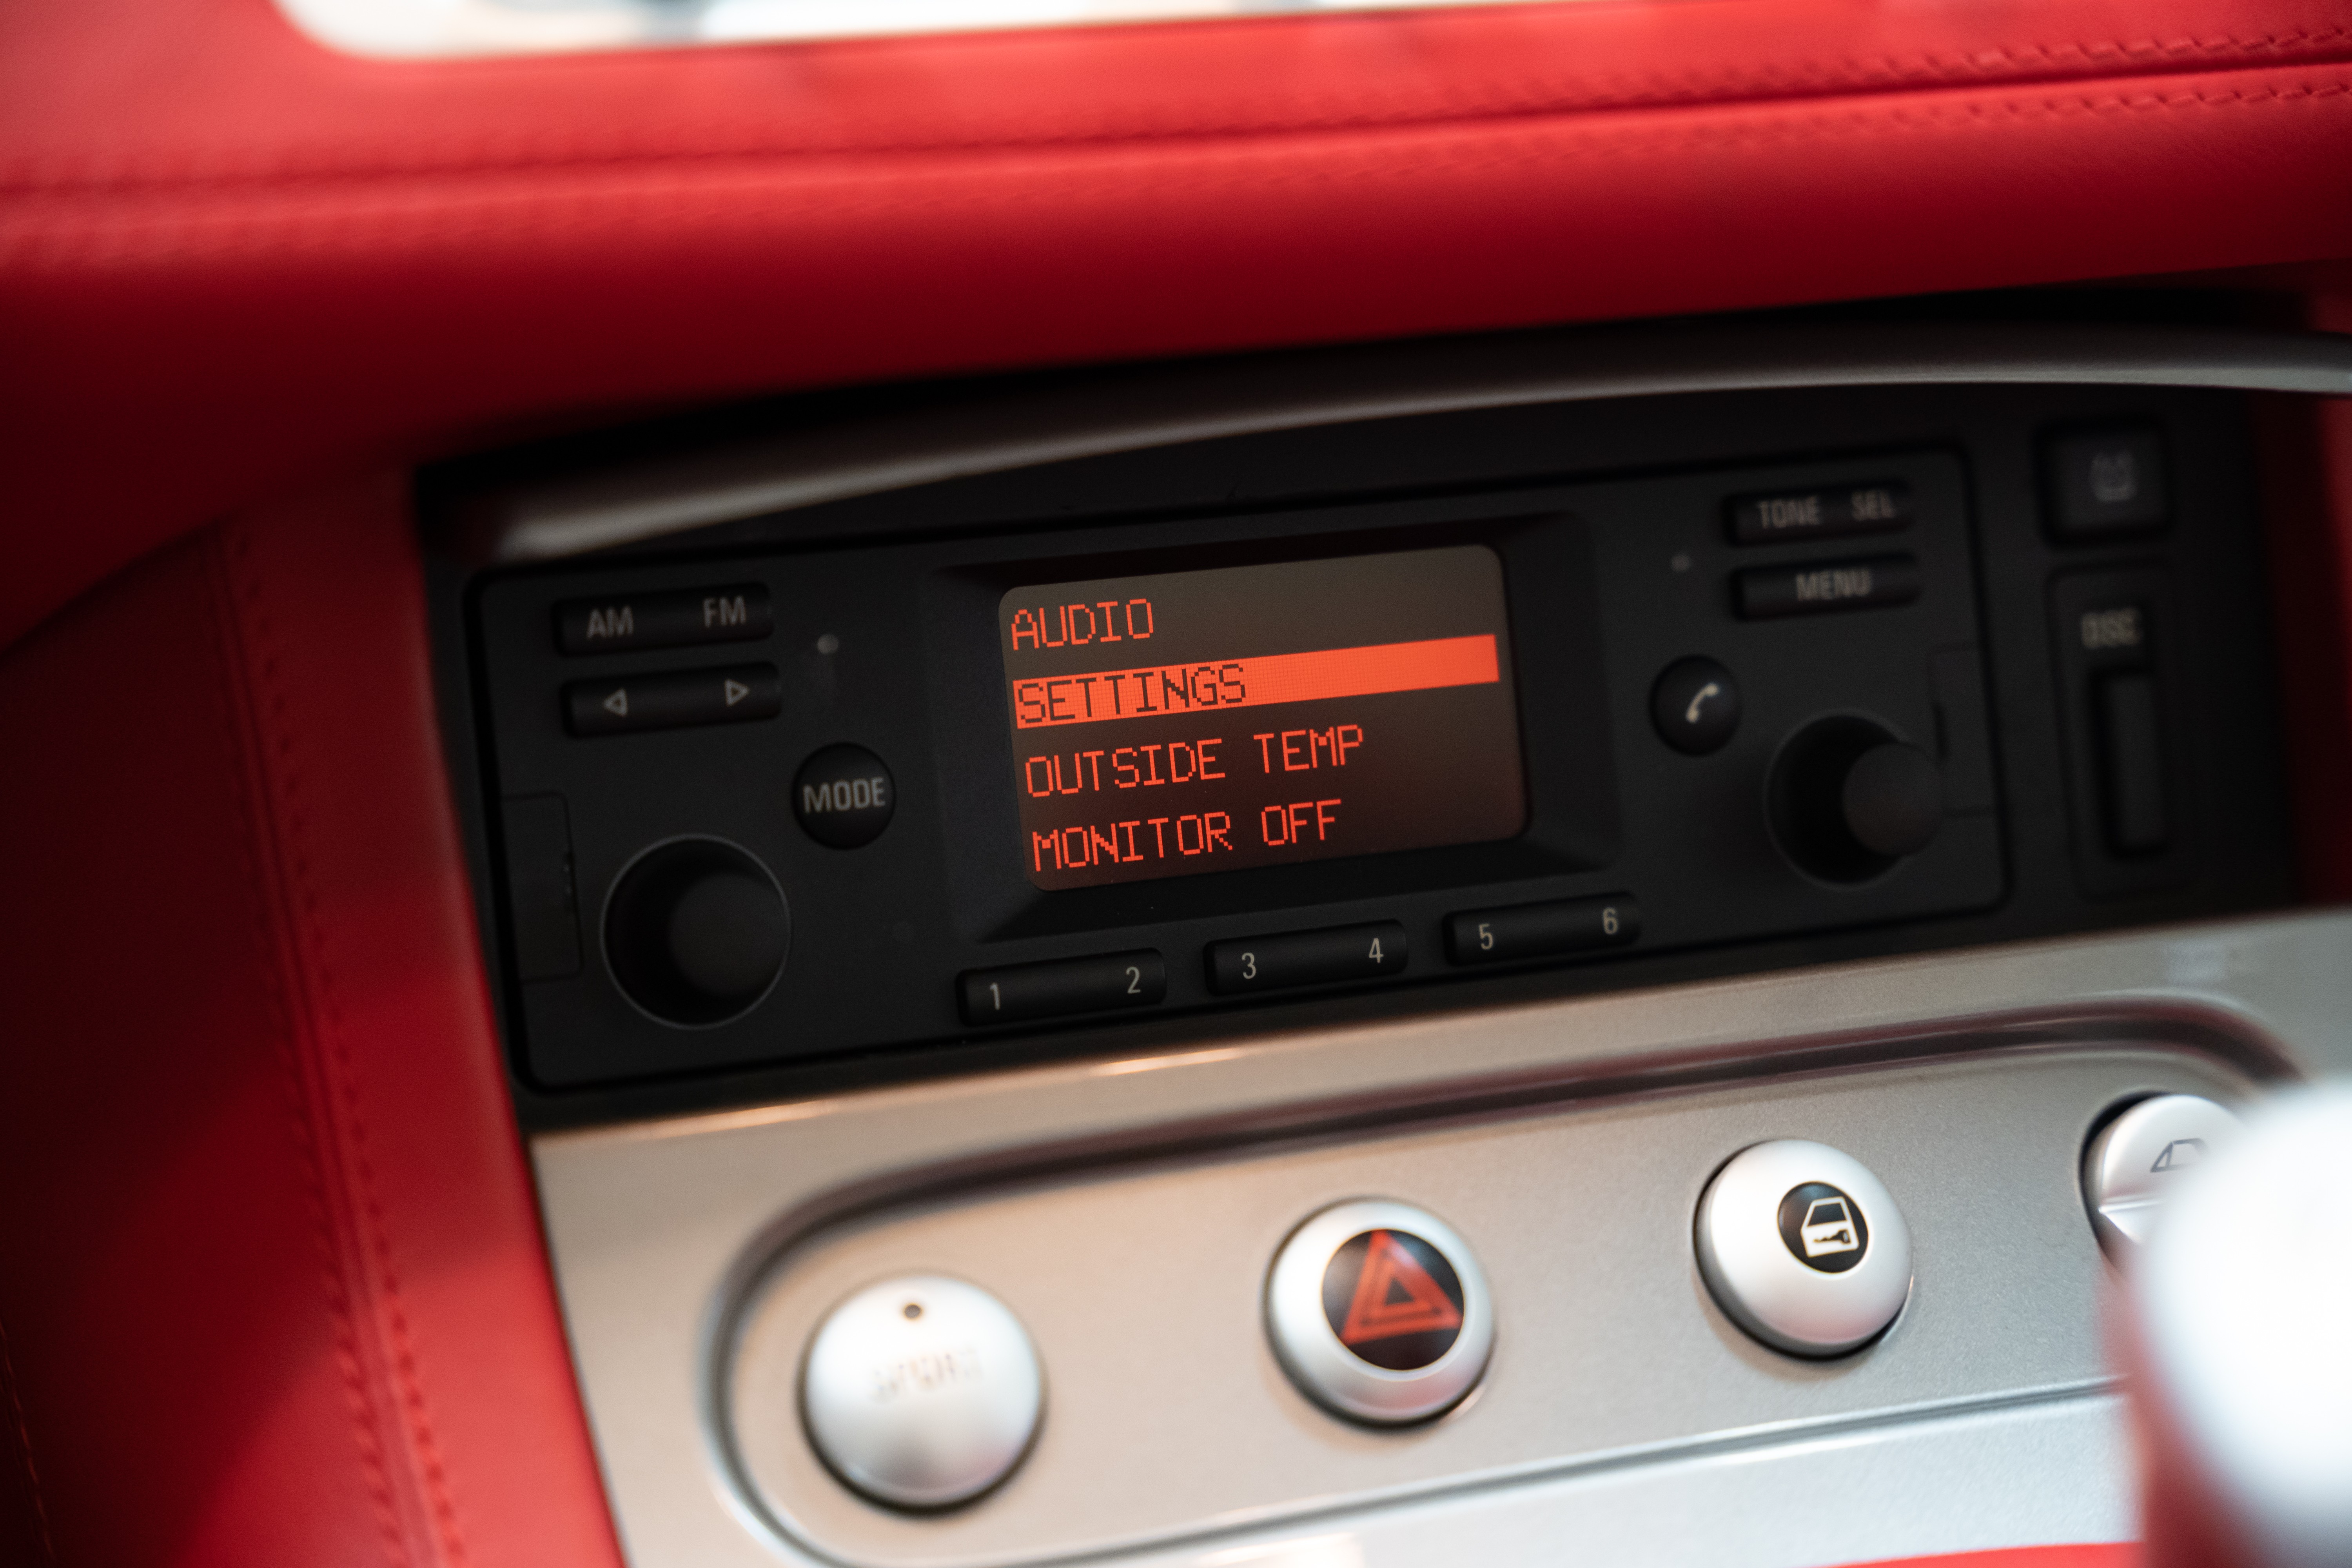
[
  {"x": 696, "y": 932},
  {"x": 1848, "y": 800}
]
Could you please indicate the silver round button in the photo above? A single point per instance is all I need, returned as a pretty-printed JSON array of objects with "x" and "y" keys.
[
  {"x": 2133, "y": 1165},
  {"x": 1803, "y": 1248},
  {"x": 1379, "y": 1312},
  {"x": 922, "y": 1392}
]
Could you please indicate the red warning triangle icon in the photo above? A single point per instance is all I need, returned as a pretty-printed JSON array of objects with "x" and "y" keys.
[{"x": 1395, "y": 1295}]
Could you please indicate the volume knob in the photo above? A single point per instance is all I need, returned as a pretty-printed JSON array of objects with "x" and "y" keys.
[
  {"x": 1848, "y": 800},
  {"x": 696, "y": 932}
]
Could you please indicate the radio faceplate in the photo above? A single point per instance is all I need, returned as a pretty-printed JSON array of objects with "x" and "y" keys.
[{"x": 769, "y": 795}]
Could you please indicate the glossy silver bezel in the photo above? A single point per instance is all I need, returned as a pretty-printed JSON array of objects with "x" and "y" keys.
[
  {"x": 1762, "y": 1286},
  {"x": 1335, "y": 1376}
]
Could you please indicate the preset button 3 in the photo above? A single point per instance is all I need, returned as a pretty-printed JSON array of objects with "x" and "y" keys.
[{"x": 1307, "y": 957}]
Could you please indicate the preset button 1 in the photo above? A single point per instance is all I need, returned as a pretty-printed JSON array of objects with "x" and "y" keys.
[
  {"x": 1542, "y": 930},
  {"x": 1307, "y": 957},
  {"x": 1025, "y": 991}
]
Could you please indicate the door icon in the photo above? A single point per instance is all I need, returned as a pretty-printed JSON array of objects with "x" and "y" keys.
[
  {"x": 1828, "y": 1227},
  {"x": 1823, "y": 1229}
]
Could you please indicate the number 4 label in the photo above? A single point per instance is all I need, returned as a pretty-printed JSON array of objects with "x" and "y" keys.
[{"x": 1375, "y": 953}]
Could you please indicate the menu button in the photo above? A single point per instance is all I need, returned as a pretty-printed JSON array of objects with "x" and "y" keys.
[{"x": 1768, "y": 592}]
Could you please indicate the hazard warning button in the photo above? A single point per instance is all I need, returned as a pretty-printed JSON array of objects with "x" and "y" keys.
[{"x": 1379, "y": 1312}]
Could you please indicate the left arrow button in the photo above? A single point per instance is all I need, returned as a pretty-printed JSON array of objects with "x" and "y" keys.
[{"x": 674, "y": 700}]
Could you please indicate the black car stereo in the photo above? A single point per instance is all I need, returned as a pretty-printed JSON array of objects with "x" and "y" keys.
[{"x": 1563, "y": 691}]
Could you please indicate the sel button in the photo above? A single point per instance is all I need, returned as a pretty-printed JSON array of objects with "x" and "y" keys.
[
  {"x": 2132, "y": 1165},
  {"x": 1803, "y": 1248},
  {"x": 1379, "y": 1312},
  {"x": 922, "y": 1392}
]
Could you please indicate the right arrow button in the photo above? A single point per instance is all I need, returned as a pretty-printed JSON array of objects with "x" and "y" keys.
[{"x": 673, "y": 699}]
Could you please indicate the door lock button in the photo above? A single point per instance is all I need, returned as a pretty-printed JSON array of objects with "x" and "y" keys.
[{"x": 1803, "y": 1248}]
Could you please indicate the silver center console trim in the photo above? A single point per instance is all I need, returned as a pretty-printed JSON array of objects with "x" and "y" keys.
[
  {"x": 655, "y": 1228},
  {"x": 1098, "y": 415}
]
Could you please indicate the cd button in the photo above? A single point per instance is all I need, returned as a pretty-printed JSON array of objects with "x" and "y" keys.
[
  {"x": 922, "y": 1392},
  {"x": 1379, "y": 1312},
  {"x": 1803, "y": 1248}
]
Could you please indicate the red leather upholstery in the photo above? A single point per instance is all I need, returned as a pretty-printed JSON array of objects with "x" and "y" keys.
[
  {"x": 271, "y": 1280},
  {"x": 230, "y": 261},
  {"x": 271, "y": 1289}
]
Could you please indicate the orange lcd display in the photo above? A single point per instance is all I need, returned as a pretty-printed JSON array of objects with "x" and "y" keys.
[{"x": 1196, "y": 722}]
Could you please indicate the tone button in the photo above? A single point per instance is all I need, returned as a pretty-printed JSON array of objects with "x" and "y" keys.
[{"x": 1379, "y": 1312}]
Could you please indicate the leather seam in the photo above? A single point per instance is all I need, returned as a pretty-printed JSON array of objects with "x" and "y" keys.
[
  {"x": 1850, "y": 76},
  {"x": 336, "y": 1061},
  {"x": 356, "y": 229},
  {"x": 243, "y": 721},
  {"x": 24, "y": 1450}
]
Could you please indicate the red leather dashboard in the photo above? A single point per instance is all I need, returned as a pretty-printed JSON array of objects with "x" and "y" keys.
[
  {"x": 230, "y": 261},
  {"x": 271, "y": 1283}
]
